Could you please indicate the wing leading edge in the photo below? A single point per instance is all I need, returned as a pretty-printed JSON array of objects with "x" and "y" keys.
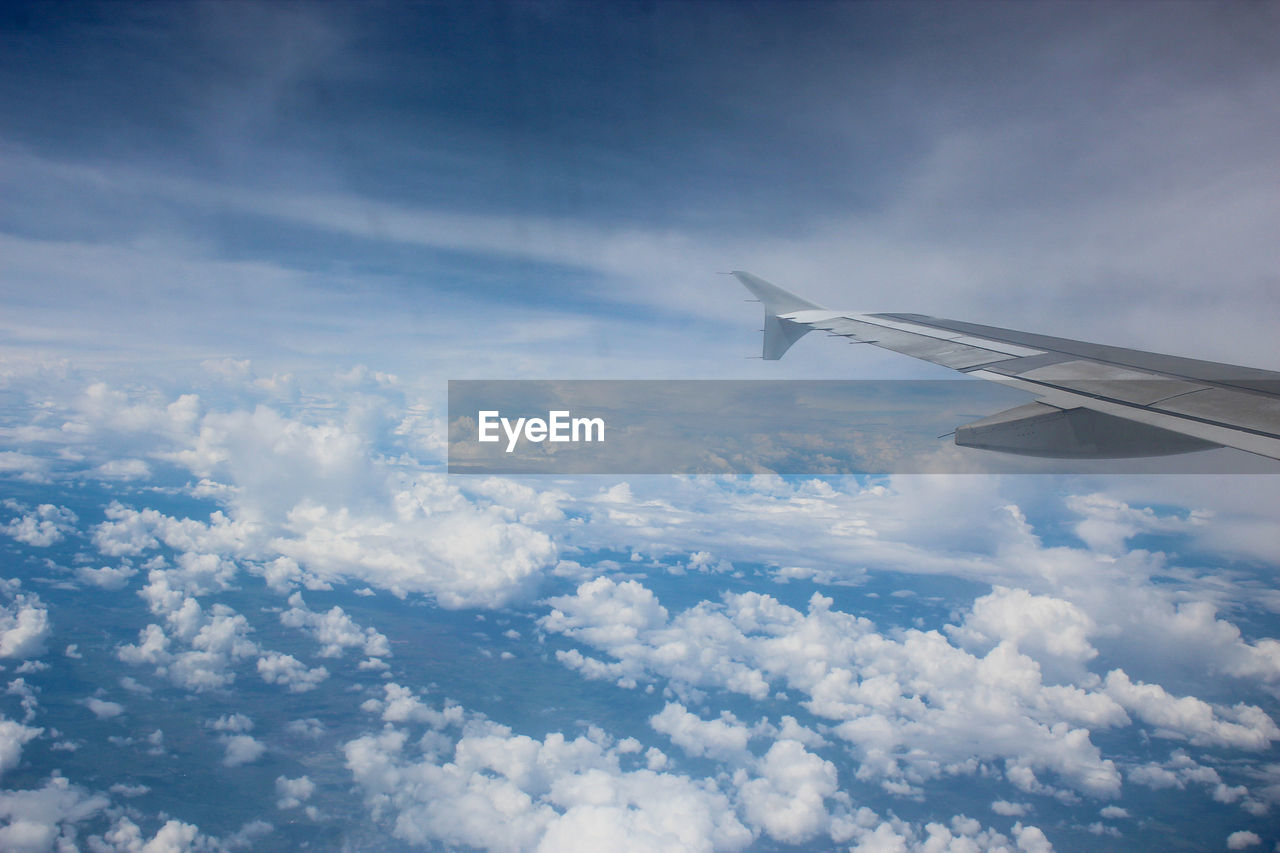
[{"x": 1093, "y": 401}]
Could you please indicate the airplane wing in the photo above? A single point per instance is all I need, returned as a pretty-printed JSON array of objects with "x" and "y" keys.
[{"x": 1093, "y": 401}]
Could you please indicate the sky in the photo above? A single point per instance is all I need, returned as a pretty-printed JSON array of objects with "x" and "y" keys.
[{"x": 244, "y": 247}]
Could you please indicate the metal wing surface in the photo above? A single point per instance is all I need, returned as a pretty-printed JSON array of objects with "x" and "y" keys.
[{"x": 1092, "y": 400}]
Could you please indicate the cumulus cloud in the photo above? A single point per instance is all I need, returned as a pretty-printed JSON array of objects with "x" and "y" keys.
[
  {"x": 400, "y": 705},
  {"x": 314, "y": 503},
  {"x": 291, "y": 793},
  {"x": 1243, "y": 839},
  {"x": 1192, "y": 719},
  {"x": 24, "y": 465},
  {"x": 38, "y": 819},
  {"x": 500, "y": 791},
  {"x": 13, "y": 736},
  {"x": 466, "y": 777},
  {"x": 786, "y": 792},
  {"x": 1008, "y": 809},
  {"x": 1029, "y": 642},
  {"x": 1106, "y": 523},
  {"x": 126, "y": 790},
  {"x": 309, "y": 727},
  {"x": 103, "y": 709},
  {"x": 334, "y": 630},
  {"x": 241, "y": 749},
  {"x": 440, "y": 544},
  {"x": 130, "y": 532},
  {"x": 24, "y": 626},
  {"x": 1121, "y": 603},
  {"x": 237, "y": 723},
  {"x": 123, "y": 469},
  {"x": 107, "y": 577},
  {"x": 1041, "y": 626},
  {"x": 579, "y": 794},
  {"x": 214, "y": 639},
  {"x": 872, "y": 834},
  {"x": 26, "y": 694},
  {"x": 880, "y": 694},
  {"x": 174, "y": 836},
  {"x": 43, "y": 527},
  {"x": 724, "y": 738},
  {"x": 277, "y": 668}
]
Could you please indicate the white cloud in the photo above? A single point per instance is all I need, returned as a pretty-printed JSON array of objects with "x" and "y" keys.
[
  {"x": 1192, "y": 719},
  {"x": 434, "y": 542},
  {"x": 313, "y": 502},
  {"x": 334, "y": 630},
  {"x": 152, "y": 647},
  {"x": 24, "y": 625},
  {"x": 592, "y": 793},
  {"x": 107, "y": 577},
  {"x": 26, "y": 694},
  {"x": 787, "y": 796},
  {"x": 241, "y": 749},
  {"x": 309, "y": 727},
  {"x": 872, "y": 834},
  {"x": 123, "y": 469},
  {"x": 970, "y": 527},
  {"x": 38, "y": 819},
  {"x": 216, "y": 639},
  {"x": 291, "y": 793},
  {"x": 277, "y": 668},
  {"x": 1031, "y": 839},
  {"x": 130, "y": 532},
  {"x": 42, "y": 528},
  {"x": 1037, "y": 625},
  {"x": 236, "y": 723},
  {"x": 399, "y": 705},
  {"x": 880, "y": 694},
  {"x": 13, "y": 736},
  {"x": 174, "y": 836},
  {"x": 725, "y": 738},
  {"x": 1181, "y": 771},
  {"x": 1008, "y": 809},
  {"x": 1107, "y": 524},
  {"x": 1153, "y": 776},
  {"x": 126, "y": 790},
  {"x": 27, "y": 467},
  {"x": 1242, "y": 839},
  {"x": 103, "y": 709},
  {"x": 501, "y": 791}
]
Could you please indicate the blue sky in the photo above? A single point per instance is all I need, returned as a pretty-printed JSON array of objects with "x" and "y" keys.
[
  {"x": 1101, "y": 173},
  {"x": 244, "y": 246}
]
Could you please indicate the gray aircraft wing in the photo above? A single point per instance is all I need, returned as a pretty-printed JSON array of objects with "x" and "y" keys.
[{"x": 1092, "y": 401}]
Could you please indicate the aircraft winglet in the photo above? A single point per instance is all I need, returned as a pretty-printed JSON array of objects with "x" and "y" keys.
[{"x": 779, "y": 334}]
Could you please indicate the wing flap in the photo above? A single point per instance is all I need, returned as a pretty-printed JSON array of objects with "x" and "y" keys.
[
  {"x": 1037, "y": 429},
  {"x": 1228, "y": 406},
  {"x": 1112, "y": 382},
  {"x": 1264, "y": 442}
]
